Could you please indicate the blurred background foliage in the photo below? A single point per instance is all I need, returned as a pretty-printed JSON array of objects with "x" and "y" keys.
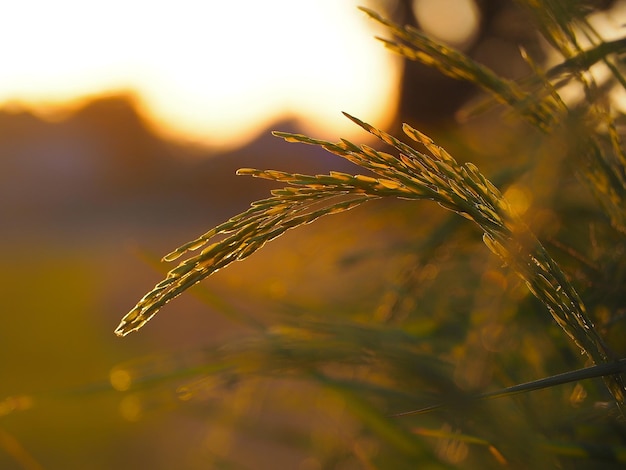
[{"x": 298, "y": 357}]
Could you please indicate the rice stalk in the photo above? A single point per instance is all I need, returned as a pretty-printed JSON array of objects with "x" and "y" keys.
[{"x": 411, "y": 175}]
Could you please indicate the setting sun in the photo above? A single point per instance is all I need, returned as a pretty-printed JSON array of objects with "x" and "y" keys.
[{"x": 212, "y": 72}]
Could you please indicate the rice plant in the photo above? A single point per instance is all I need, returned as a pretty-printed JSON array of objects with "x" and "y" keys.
[{"x": 398, "y": 380}]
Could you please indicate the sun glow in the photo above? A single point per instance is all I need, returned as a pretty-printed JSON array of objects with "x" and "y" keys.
[{"x": 212, "y": 71}]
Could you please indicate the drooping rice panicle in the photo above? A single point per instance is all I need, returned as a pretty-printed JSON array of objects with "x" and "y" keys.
[{"x": 435, "y": 175}]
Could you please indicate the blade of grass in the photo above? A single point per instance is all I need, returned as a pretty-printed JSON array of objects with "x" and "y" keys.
[{"x": 599, "y": 370}]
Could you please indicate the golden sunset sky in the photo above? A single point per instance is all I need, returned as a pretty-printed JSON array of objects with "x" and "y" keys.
[{"x": 215, "y": 72}]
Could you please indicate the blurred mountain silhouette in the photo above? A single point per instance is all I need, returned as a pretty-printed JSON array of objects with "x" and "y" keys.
[{"x": 101, "y": 163}]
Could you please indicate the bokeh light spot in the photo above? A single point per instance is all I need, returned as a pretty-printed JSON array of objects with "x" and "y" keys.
[
  {"x": 120, "y": 379},
  {"x": 455, "y": 22},
  {"x": 519, "y": 197}
]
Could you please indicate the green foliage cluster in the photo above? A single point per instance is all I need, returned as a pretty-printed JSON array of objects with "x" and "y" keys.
[{"x": 411, "y": 378}]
